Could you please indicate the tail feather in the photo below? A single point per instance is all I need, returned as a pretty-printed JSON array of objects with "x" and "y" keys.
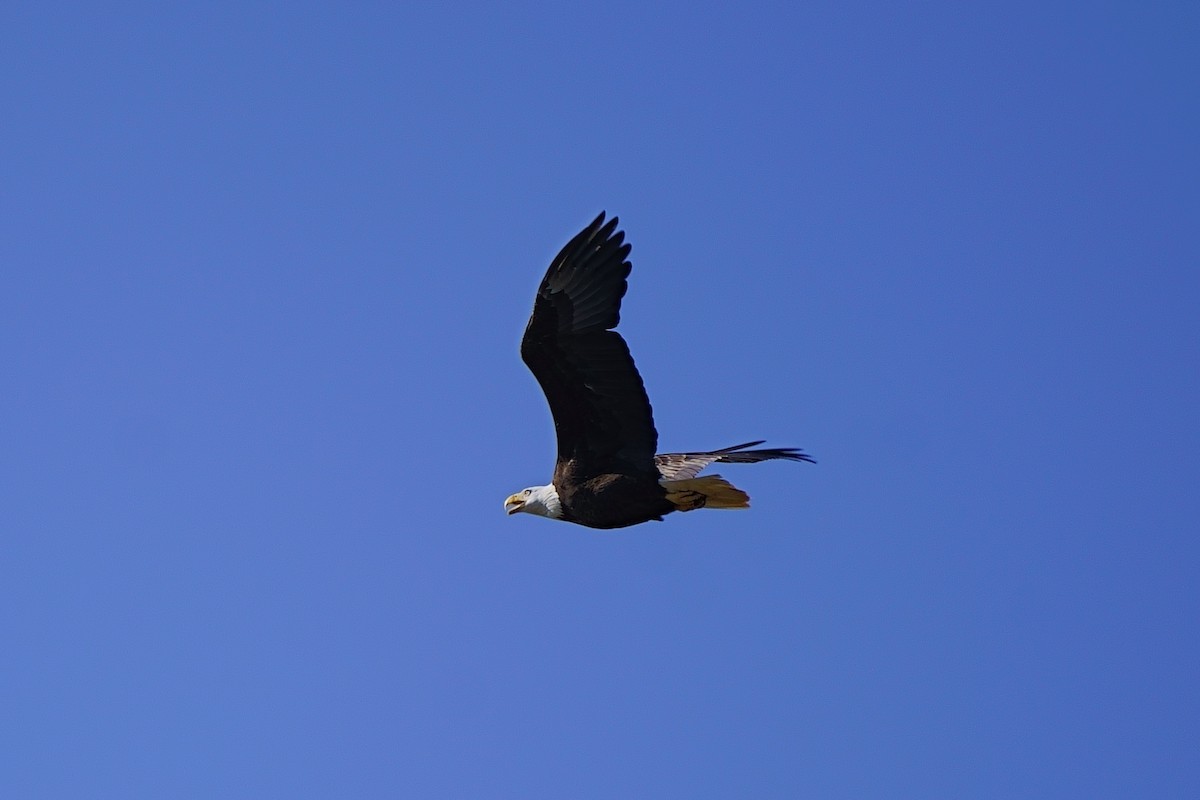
[{"x": 711, "y": 491}]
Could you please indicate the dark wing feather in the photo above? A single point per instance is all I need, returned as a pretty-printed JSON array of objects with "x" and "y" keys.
[
  {"x": 682, "y": 466},
  {"x": 602, "y": 415}
]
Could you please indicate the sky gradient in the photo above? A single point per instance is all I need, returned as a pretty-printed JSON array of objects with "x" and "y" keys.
[{"x": 265, "y": 268}]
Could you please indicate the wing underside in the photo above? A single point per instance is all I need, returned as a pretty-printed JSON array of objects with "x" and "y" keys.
[
  {"x": 684, "y": 466},
  {"x": 602, "y": 415}
]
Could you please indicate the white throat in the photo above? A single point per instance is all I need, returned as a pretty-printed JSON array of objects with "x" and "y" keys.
[{"x": 543, "y": 501}]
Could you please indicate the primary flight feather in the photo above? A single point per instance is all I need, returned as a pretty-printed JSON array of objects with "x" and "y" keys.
[{"x": 607, "y": 474}]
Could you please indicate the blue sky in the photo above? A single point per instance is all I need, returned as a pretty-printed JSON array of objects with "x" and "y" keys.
[{"x": 265, "y": 269}]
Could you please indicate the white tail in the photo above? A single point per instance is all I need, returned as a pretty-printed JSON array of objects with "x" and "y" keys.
[{"x": 711, "y": 491}]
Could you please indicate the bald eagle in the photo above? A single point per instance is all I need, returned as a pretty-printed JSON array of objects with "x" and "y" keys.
[{"x": 608, "y": 475}]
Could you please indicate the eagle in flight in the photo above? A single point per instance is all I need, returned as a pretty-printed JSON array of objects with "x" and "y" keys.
[{"x": 607, "y": 474}]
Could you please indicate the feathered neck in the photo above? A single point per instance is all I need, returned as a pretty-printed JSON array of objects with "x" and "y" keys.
[{"x": 543, "y": 501}]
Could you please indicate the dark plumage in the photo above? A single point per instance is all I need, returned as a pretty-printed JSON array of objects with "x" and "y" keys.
[{"x": 607, "y": 474}]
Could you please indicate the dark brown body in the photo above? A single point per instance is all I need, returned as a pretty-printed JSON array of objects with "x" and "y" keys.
[{"x": 612, "y": 501}]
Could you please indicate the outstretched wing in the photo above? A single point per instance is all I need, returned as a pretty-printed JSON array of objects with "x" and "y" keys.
[
  {"x": 602, "y": 415},
  {"x": 684, "y": 466}
]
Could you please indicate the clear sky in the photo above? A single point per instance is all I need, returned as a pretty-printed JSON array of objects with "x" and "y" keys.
[{"x": 263, "y": 272}]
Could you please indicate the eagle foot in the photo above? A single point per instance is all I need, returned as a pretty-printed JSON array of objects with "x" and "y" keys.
[{"x": 686, "y": 500}]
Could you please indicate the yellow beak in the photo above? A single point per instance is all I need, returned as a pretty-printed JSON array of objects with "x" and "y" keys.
[{"x": 513, "y": 504}]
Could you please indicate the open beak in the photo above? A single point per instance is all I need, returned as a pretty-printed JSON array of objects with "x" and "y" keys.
[{"x": 514, "y": 504}]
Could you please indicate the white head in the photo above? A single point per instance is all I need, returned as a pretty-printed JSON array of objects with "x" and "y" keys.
[{"x": 540, "y": 500}]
